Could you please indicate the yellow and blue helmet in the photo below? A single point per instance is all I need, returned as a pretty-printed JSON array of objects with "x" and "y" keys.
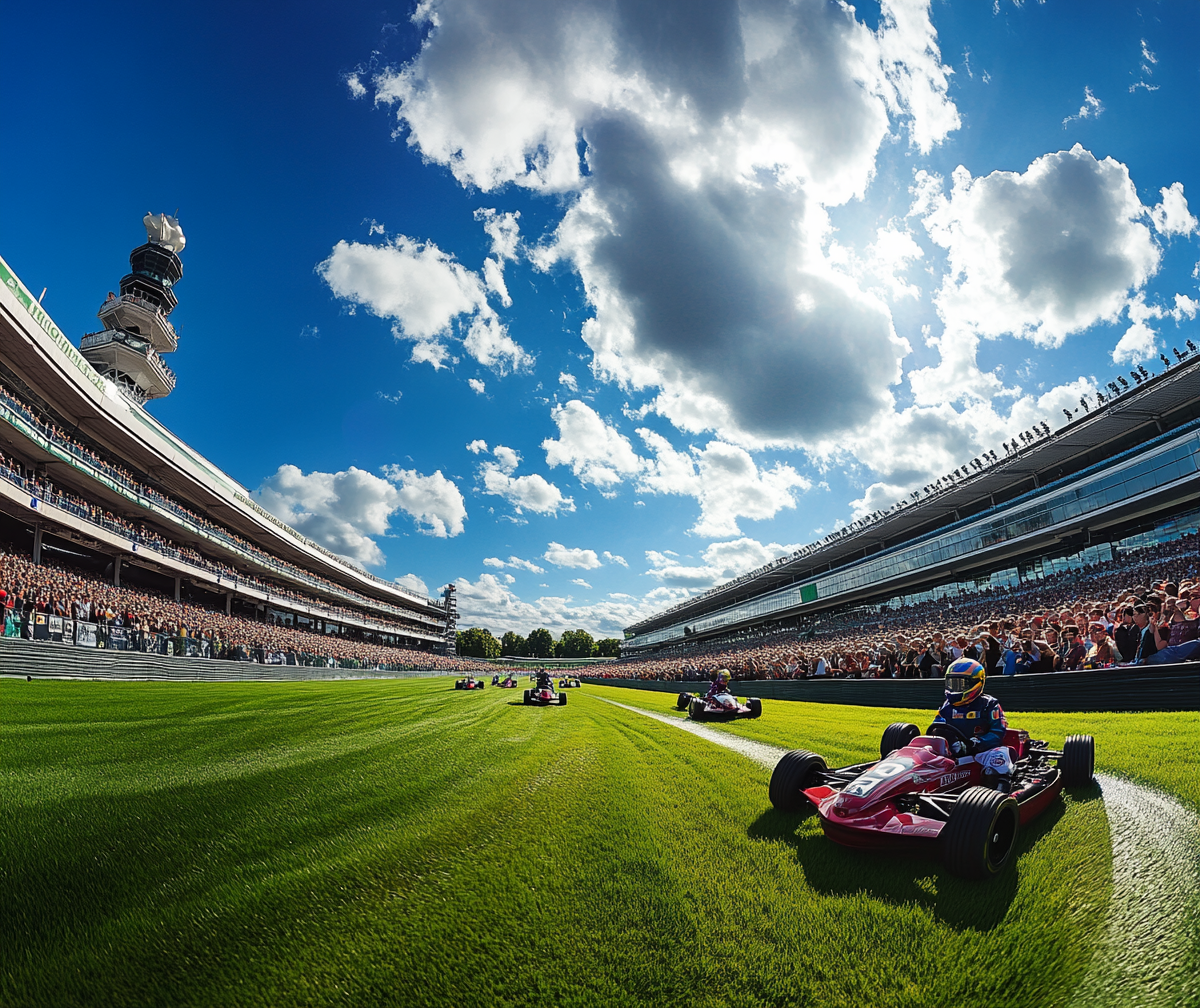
[{"x": 964, "y": 681}]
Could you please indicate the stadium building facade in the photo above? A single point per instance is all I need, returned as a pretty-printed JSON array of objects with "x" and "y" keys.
[
  {"x": 1123, "y": 473},
  {"x": 89, "y": 478}
]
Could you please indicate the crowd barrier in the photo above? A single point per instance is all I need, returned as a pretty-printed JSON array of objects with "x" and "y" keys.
[
  {"x": 48, "y": 660},
  {"x": 1140, "y": 688}
]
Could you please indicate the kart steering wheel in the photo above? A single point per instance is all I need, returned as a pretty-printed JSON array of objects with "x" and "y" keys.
[{"x": 951, "y": 733}]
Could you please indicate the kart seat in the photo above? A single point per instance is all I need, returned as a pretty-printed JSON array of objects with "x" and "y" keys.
[
  {"x": 934, "y": 742},
  {"x": 1017, "y": 742}
]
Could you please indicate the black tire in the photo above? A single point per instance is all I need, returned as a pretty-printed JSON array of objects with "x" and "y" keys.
[
  {"x": 792, "y": 774},
  {"x": 1078, "y": 761},
  {"x": 981, "y": 836},
  {"x": 896, "y": 736},
  {"x": 682, "y": 701},
  {"x": 755, "y": 705},
  {"x": 525, "y": 699},
  {"x": 696, "y": 709},
  {"x": 562, "y": 699}
]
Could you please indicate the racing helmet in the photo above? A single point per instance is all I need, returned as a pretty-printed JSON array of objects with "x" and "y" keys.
[
  {"x": 723, "y": 675},
  {"x": 964, "y": 681}
]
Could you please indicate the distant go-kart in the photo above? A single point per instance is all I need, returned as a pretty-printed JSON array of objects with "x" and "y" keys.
[
  {"x": 700, "y": 709},
  {"x": 920, "y": 797},
  {"x": 469, "y": 683},
  {"x": 544, "y": 696},
  {"x": 569, "y": 683},
  {"x": 496, "y": 679},
  {"x": 509, "y": 683}
]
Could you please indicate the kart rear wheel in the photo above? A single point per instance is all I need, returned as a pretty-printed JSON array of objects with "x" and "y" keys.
[
  {"x": 755, "y": 705},
  {"x": 682, "y": 701},
  {"x": 1078, "y": 761},
  {"x": 896, "y": 736},
  {"x": 792, "y": 774},
  {"x": 526, "y": 697},
  {"x": 696, "y": 709},
  {"x": 981, "y": 836},
  {"x": 562, "y": 699}
]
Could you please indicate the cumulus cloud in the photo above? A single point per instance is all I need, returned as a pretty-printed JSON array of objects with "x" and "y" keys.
[
  {"x": 413, "y": 583},
  {"x": 721, "y": 561},
  {"x": 714, "y": 136},
  {"x": 580, "y": 582},
  {"x": 477, "y": 446},
  {"x": 1042, "y": 253},
  {"x": 343, "y": 510},
  {"x": 563, "y": 556},
  {"x": 1171, "y": 216},
  {"x": 568, "y": 381},
  {"x": 428, "y": 295},
  {"x": 613, "y": 558},
  {"x": 525, "y": 493},
  {"x": 1138, "y": 343},
  {"x": 504, "y": 231},
  {"x": 597, "y": 453},
  {"x": 516, "y": 563},
  {"x": 478, "y": 387},
  {"x": 490, "y": 602}
]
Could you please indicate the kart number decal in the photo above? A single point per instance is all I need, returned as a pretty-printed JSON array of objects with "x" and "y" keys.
[{"x": 879, "y": 773}]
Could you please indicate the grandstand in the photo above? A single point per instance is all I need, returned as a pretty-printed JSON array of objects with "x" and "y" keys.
[
  {"x": 1121, "y": 474},
  {"x": 91, "y": 482}
]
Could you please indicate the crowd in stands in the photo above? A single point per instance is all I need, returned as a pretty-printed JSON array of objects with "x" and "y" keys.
[
  {"x": 39, "y": 486},
  {"x": 1142, "y": 607},
  {"x": 151, "y": 622}
]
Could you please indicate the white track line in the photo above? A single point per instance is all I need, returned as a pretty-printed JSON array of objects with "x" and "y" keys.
[
  {"x": 760, "y": 752},
  {"x": 1156, "y": 886}
]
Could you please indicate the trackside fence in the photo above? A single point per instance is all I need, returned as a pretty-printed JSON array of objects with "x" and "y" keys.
[
  {"x": 1139, "y": 688},
  {"x": 47, "y": 660}
]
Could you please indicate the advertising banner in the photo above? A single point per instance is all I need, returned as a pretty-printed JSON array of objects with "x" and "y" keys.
[
  {"x": 56, "y": 628},
  {"x": 118, "y": 638},
  {"x": 85, "y": 634},
  {"x": 41, "y": 626},
  {"x": 68, "y": 631}
]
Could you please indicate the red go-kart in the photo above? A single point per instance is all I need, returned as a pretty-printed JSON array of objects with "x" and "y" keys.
[
  {"x": 469, "y": 683},
  {"x": 543, "y": 696},
  {"x": 700, "y": 709},
  {"x": 921, "y": 797},
  {"x": 509, "y": 683}
]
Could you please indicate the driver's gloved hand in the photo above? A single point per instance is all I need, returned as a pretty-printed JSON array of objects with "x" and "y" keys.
[{"x": 958, "y": 748}]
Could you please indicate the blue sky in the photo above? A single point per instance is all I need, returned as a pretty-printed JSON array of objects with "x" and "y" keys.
[{"x": 754, "y": 269}]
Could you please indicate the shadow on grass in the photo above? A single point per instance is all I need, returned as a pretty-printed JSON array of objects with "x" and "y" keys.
[{"x": 901, "y": 877}]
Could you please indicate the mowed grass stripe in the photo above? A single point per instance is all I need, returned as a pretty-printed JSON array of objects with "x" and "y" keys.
[{"x": 404, "y": 843}]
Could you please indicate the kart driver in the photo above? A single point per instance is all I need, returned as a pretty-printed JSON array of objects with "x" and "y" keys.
[
  {"x": 545, "y": 680},
  {"x": 718, "y": 692},
  {"x": 974, "y": 723}
]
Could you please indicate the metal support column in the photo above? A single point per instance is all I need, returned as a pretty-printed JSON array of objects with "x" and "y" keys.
[
  {"x": 116, "y": 572},
  {"x": 228, "y": 603},
  {"x": 37, "y": 543},
  {"x": 178, "y": 582}
]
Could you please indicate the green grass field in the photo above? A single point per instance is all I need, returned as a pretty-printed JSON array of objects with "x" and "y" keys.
[{"x": 403, "y": 843}]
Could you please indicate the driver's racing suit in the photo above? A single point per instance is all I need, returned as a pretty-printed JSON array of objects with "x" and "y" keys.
[
  {"x": 719, "y": 693},
  {"x": 545, "y": 681},
  {"x": 982, "y": 722}
]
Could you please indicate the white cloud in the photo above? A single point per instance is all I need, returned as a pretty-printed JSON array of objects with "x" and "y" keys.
[
  {"x": 413, "y": 583},
  {"x": 568, "y": 381},
  {"x": 477, "y": 386},
  {"x": 721, "y": 561},
  {"x": 613, "y": 558},
  {"x": 724, "y": 479},
  {"x": 597, "y": 453},
  {"x": 1171, "y": 216},
  {"x": 580, "y": 582},
  {"x": 525, "y": 493},
  {"x": 563, "y": 556},
  {"x": 343, "y": 510},
  {"x": 355, "y": 85},
  {"x": 477, "y": 446},
  {"x": 1043, "y": 253},
  {"x": 711, "y": 156},
  {"x": 433, "y": 354},
  {"x": 491, "y": 603},
  {"x": 1138, "y": 343},
  {"x": 428, "y": 294},
  {"x": 1090, "y": 109},
  {"x": 434, "y": 502},
  {"x": 516, "y": 563},
  {"x": 507, "y": 458}
]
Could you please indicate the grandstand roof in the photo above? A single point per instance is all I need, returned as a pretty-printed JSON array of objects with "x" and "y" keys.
[{"x": 1163, "y": 402}]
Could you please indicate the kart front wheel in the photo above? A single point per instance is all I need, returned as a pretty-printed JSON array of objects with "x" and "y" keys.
[
  {"x": 696, "y": 709},
  {"x": 981, "y": 835},
  {"x": 792, "y": 774},
  {"x": 755, "y": 705},
  {"x": 683, "y": 700},
  {"x": 1078, "y": 761},
  {"x": 897, "y": 736},
  {"x": 562, "y": 699}
]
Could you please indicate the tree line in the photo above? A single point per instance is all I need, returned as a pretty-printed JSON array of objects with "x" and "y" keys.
[{"x": 479, "y": 643}]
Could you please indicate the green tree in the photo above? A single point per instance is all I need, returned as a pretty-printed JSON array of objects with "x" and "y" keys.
[
  {"x": 512, "y": 645},
  {"x": 609, "y": 647},
  {"x": 477, "y": 643},
  {"x": 540, "y": 644},
  {"x": 576, "y": 644}
]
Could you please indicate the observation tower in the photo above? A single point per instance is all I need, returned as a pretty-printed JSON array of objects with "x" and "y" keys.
[{"x": 128, "y": 352}]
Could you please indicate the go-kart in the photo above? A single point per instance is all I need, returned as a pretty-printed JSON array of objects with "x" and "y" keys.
[
  {"x": 496, "y": 679},
  {"x": 544, "y": 696},
  {"x": 921, "y": 796},
  {"x": 469, "y": 683},
  {"x": 700, "y": 709},
  {"x": 568, "y": 683},
  {"x": 509, "y": 683}
]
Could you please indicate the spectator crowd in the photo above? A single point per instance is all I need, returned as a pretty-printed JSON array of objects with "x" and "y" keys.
[
  {"x": 37, "y": 597},
  {"x": 1141, "y": 608}
]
